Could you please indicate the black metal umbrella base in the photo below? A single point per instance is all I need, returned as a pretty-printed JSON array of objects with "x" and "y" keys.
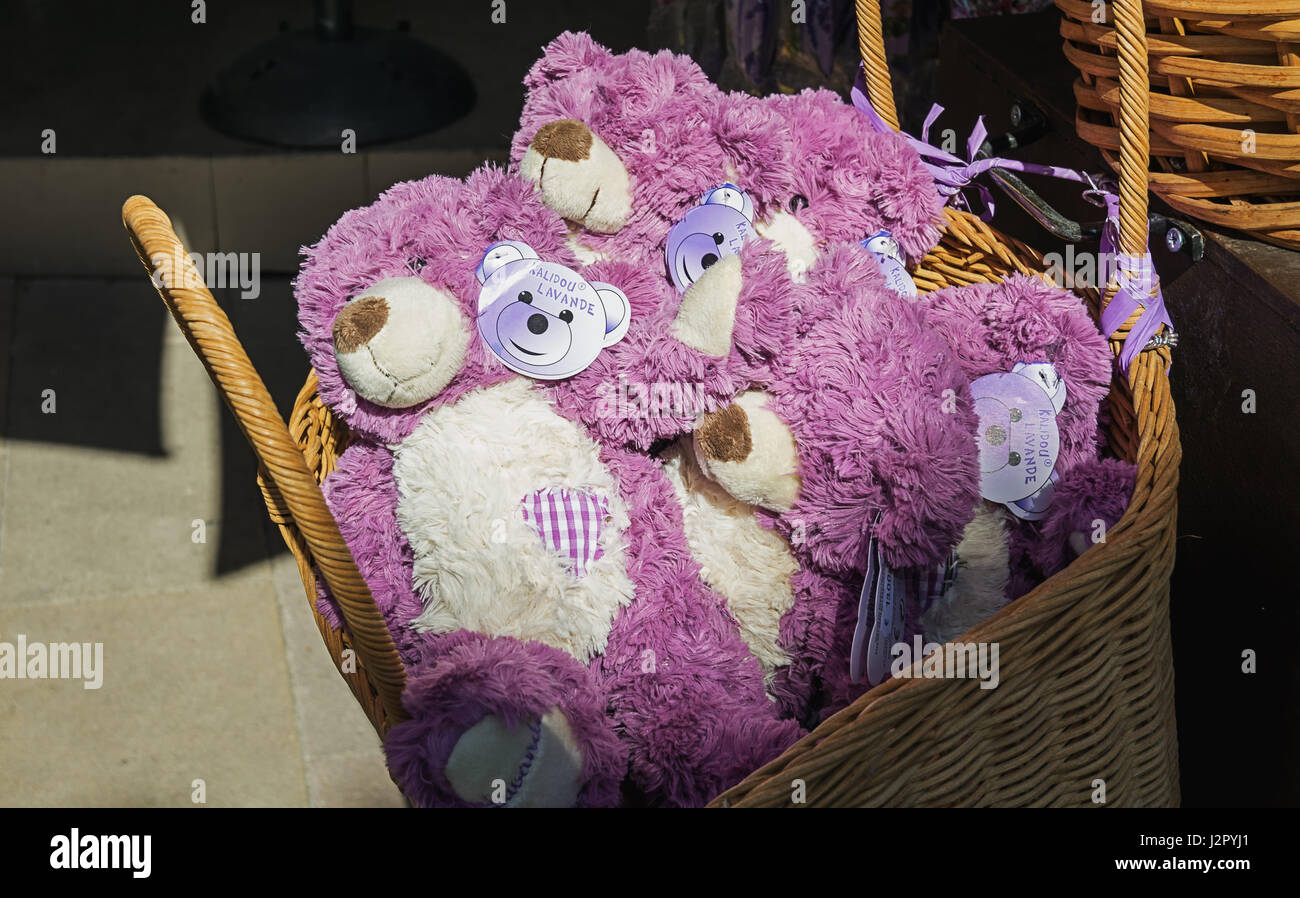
[{"x": 301, "y": 89}]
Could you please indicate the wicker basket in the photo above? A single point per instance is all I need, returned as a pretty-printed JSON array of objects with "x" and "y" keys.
[
  {"x": 1086, "y": 687},
  {"x": 1224, "y": 105}
]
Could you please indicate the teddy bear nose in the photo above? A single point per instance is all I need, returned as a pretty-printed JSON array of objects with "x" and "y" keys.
[
  {"x": 359, "y": 321},
  {"x": 537, "y": 323},
  {"x": 566, "y": 139}
]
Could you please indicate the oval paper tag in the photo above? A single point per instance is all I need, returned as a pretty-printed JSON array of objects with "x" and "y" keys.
[{"x": 1017, "y": 437}]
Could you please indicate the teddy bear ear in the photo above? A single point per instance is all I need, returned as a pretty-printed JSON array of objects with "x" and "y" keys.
[
  {"x": 731, "y": 195},
  {"x": 618, "y": 311},
  {"x": 500, "y": 253},
  {"x": 572, "y": 51}
]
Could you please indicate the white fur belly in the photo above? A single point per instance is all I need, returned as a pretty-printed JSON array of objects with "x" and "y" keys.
[
  {"x": 747, "y": 564},
  {"x": 462, "y": 477}
]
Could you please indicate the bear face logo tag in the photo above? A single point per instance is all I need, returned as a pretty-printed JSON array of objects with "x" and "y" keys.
[
  {"x": 541, "y": 319},
  {"x": 1018, "y": 437},
  {"x": 885, "y": 248},
  {"x": 718, "y": 227}
]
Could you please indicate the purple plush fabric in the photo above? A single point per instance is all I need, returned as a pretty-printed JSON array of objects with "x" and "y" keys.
[
  {"x": 649, "y": 386},
  {"x": 850, "y": 367},
  {"x": 677, "y": 686},
  {"x": 1091, "y": 491},
  {"x": 684, "y": 690},
  {"x": 883, "y": 422},
  {"x": 991, "y": 327},
  {"x": 417, "y": 228},
  {"x": 362, "y": 497},
  {"x": 1095, "y": 489},
  {"x": 856, "y": 181},
  {"x": 469, "y": 676},
  {"x": 676, "y": 133},
  {"x": 679, "y": 136}
]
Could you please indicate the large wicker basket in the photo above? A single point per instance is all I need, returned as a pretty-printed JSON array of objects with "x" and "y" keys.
[
  {"x": 1225, "y": 110},
  {"x": 1086, "y": 690}
]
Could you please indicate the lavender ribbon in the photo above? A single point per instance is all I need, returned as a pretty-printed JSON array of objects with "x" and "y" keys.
[
  {"x": 1139, "y": 286},
  {"x": 952, "y": 174}
]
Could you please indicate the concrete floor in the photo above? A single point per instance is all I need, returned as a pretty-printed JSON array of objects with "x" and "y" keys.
[{"x": 213, "y": 668}]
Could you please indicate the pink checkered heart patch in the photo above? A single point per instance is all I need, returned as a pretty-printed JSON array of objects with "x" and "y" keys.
[{"x": 569, "y": 521}]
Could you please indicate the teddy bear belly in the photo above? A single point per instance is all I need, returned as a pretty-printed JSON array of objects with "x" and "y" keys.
[
  {"x": 747, "y": 564},
  {"x": 484, "y": 485}
]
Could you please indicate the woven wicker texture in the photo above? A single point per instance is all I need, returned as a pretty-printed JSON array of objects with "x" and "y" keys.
[
  {"x": 1224, "y": 109},
  {"x": 1086, "y": 688},
  {"x": 291, "y": 489}
]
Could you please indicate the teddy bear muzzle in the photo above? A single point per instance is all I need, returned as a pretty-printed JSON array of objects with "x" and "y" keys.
[
  {"x": 399, "y": 342},
  {"x": 750, "y": 452},
  {"x": 579, "y": 176}
]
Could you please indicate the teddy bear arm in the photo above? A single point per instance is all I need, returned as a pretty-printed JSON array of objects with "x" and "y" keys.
[{"x": 362, "y": 496}]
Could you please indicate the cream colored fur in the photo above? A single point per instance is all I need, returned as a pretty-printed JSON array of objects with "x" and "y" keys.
[
  {"x": 490, "y": 751},
  {"x": 416, "y": 353},
  {"x": 769, "y": 475},
  {"x": 980, "y": 588},
  {"x": 789, "y": 235},
  {"x": 462, "y": 476},
  {"x": 749, "y": 565},
  {"x": 707, "y": 314},
  {"x": 594, "y": 192},
  {"x": 585, "y": 254}
]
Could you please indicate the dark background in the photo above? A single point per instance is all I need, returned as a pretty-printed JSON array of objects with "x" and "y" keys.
[{"x": 119, "y": 84}]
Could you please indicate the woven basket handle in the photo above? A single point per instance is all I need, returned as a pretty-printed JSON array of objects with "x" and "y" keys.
[
  {"x": 1135, "y": 138},
  {"x": 209, "y": 332}
]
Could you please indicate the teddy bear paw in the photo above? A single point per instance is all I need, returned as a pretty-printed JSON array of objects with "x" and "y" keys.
[
  {"x": 707, "y": 315},
  {"x": 536, "y": 763}
]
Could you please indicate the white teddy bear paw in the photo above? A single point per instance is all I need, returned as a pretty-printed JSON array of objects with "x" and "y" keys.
[{"x": 536, "y": 764}]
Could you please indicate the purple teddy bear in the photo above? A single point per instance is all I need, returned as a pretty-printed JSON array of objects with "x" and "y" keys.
[
  {"x": 860, "y": 396},
  {"x": 558, "y": 637}
]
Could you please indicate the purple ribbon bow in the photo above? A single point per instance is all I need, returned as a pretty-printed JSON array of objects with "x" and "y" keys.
[
  {"x": 953, "y": 175},
  {"x": 1139, "y": 286}
]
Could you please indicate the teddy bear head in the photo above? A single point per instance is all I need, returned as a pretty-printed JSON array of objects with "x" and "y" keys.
[
  {"x": 627, "y": 146},
  {"x": 623, "y": 145},
  {"x": 391, "y": 307},
  {"x": 849, "y": 182}
]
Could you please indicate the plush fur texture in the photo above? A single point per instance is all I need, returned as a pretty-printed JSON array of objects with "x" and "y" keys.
[
  {"x": 870, "y": 386},
  {"x": 417, "y": 228},
  {"x": 651, "y": 386},
  {"x": 478, "y": 563},
  {"x": 471, "y": 676},
  {"x": 855, "y": 180},
  {"x": 991, "y": 327},
  {"x": 758, "y": 461},
  {"x": 749, "y": 564},
  {"x": 874, "y": 405},
  {"x": 883, "y": 422},
  {"x": 1091, "y": 492},
  {"x": 664, "y": 120},
  {"x": 675, "y": 701}
]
